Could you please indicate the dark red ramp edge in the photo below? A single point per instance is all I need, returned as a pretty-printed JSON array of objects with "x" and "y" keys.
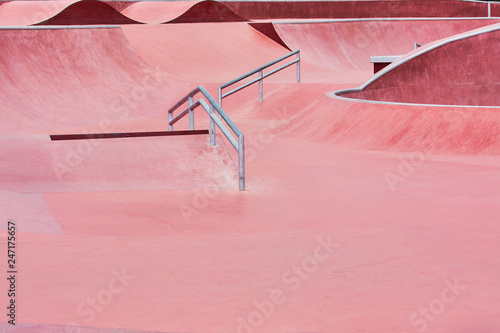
[
  {"x": 56, "y": 137},
  {"x": 267, "y": 29},
  {"x": 208, "y": 11},
  {"x": 88, "y": 12},
  {"x": 457, "y": 72},
  {"x": 253, "y": 10}
]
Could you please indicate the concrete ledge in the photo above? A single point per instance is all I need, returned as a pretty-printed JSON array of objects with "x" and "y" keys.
[
  {"x": 56, "y": 137},
  {"x": 384, "y": 59}
]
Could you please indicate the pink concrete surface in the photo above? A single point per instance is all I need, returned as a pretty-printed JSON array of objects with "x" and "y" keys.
[
  {"x": 181, "y": 12},
  {"x": 99, "y": 80},
  {"x": 348, "y": 45},
  {"x": 358, "y": 217},
  {"x": 228, "y": 49},
  {"x": 450, "y": 71}
]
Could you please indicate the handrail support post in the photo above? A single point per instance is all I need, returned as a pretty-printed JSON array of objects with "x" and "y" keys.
[
  {"x": 170, "y": 116},
  {"x": 298, "y": 66},
  {"x": 241, "y": 162},
  {"x": 191, "y": 114},
  {"x": 212, "y": 126},
  {"x": 261, "y": 87}
]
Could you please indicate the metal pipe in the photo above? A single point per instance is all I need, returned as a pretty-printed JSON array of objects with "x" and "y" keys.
[
  {"x": 183, "y": 113},
  {"x": 241, "y": 162},
  {"x": 489, "y": 8},
  {"x": 220, "y": 96},
  {"x": 191, "y": 113},
  {"x": 274, "y": 71},
  {"x": 221, "y": 112},
  {"x": 224, "y": 130},
  {"x": 184, "y": 99},
  {"x": 249, "y": 83},
  {"x": 298, "y": 66},
  {"x": 261, "y": 87},
  {"x": 259, "y": 69},
  {"x": 212, "y": 125},
  {"x": 214, "y": 120}
]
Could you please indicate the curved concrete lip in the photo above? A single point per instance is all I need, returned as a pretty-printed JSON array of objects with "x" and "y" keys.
[
  {"x": 414, "y": 54},
  {"x": 335, "y": 95}
]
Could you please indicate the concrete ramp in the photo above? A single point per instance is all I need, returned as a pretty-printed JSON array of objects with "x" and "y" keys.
[
  {"x": 459, "y": 70},
  {"x": 37, "y": 165},
  {"x": 203, "y": 52},
  {"x": 348, "y": 45},
  {"x": 354, "y": 124},
  {"x": 53, "y": 79}
]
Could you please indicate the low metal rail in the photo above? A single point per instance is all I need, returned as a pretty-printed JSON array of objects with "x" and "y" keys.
[
  {"x": 261, "y": 77},
  {"x": 212, "y": 108}
]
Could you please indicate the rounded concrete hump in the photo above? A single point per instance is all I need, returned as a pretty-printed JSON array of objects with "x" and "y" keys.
[
  {"x": 458, "y": 70},
  {"x": 88, "y": 12}
]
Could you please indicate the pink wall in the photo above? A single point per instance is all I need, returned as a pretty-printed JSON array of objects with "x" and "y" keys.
[{"x": 463, "y": 72}]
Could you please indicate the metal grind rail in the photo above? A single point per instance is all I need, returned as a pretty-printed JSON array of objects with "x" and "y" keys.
[
  {"x": 261, "y": 77},
  {"x": 212, "y": 108}
]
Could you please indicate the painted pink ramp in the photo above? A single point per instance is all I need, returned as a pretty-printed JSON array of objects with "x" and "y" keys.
[
  {"x": 459, "y": 70},
  {"x": 204, "y": 52},
  {"x": 174, "y": 162},
  {"x": 356, "y": 9},
  {"x": 181, "y": 12},
  {"x": 354, "y": 124},
  {"x": 348, "y": 45},
  {"x": 22, "y": 13},
  {"x": 53, "y": 79},
  {"x": 88, "y": 12}
]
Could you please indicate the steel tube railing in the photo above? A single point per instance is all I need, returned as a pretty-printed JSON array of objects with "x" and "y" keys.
[
  {"x": 212, "y": 107},
  {"x": 262, "y": 76},
  {"x": 183, "y": 113},
  {"x": 259, "y": 79}
]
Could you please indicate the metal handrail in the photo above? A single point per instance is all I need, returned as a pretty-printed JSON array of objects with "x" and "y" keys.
[
  {"x": 210, "y": 108},
  {"x": 261, "y": 77}
]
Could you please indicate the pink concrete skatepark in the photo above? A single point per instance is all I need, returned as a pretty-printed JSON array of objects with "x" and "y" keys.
[{"x": 138, "y": 193}]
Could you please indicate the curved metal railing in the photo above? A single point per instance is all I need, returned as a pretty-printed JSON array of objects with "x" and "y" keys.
[{"x": 212, "y": 108}]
